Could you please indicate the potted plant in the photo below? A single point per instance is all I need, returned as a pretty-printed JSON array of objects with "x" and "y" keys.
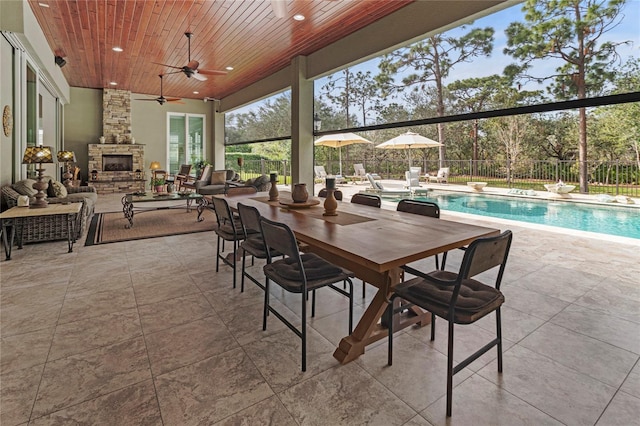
[{"x": 158, "y": 184}]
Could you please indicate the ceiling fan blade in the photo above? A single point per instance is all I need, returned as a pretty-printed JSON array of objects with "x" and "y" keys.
[
  {"x": 279, "y": 8},
  {"x": 197, "y": 76},
  {"x": 153, "y": 99},
  {"x": 212, "y": 72},
  {"x": 166, "y": 65},
  {"x": 173, "y": 99}
]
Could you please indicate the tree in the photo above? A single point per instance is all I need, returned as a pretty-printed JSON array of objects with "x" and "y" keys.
[
  {"x": 432, "y": 60},
  {"x": 568, "y": 31}
]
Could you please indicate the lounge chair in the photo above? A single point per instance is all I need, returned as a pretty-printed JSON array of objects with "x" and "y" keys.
[
  {"x": 361, "y": 173},
  {"x": 413, "y": 181},
  {"x": 321, "y": 175},
  {"x": 440, "y": 177},
  {"x": 377, "y": 188}
]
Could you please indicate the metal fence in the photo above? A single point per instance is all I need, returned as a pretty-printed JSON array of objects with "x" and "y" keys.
[{"x": 614, "y": 178}]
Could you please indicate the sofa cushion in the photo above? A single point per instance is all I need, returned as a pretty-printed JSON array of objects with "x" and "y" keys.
[
  {"x": 51, "y": 192},
  {"x": 25, "y": 187},
  {"x": 218, "y": 177},
  {"x": 59, "y": 190}
]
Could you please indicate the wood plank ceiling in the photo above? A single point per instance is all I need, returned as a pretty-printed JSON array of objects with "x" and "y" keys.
[{"x": 245, "y": 35}]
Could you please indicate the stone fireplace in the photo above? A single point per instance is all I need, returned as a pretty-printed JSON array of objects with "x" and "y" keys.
[{"x": 116, "y": 166}]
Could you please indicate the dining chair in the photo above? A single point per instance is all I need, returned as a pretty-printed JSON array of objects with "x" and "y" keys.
[
  {"x": 458, "y": 298},
  {"x": 229, "y": 229},
  {"x": 337, "y": 193},
  {"x": 299, "y": 273},
  {"x": 366, "y": 200},
  {"x": 253, "y": 243},
  {"x": 423, "y": 208}
]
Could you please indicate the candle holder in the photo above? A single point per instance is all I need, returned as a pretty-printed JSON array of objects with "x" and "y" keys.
[
  {"x": 273, "y": 191},
  {"x": 330, "y": 203}
]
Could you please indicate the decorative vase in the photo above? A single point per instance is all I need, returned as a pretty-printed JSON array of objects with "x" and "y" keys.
[
  {"x": 101, "y": 139},
  {"x": 330, "y": 203},
  {"x": 273, "y": 191},
  {"x": 170, "y": 188},
  {"x": 300, "y": 194}
]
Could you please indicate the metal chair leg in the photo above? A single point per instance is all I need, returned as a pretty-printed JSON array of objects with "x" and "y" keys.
[{"x": 450, "y": 369}]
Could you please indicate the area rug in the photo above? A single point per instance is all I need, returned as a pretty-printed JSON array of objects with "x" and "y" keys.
[{"x": 110, "y": 227}]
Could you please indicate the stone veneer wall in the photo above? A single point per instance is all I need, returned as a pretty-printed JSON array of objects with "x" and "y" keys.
[
  {"x": 116, "y": 116},
  {"x": 114, "y": 182}
]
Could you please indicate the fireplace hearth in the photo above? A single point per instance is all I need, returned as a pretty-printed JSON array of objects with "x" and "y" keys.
[{"x": 116, "y": 164}]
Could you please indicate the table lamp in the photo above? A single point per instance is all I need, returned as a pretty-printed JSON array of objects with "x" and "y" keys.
[
  {"x": 155, "y": 165},
  {"x": 67, "y": 157},
  {"x": 38, "y": 155}
]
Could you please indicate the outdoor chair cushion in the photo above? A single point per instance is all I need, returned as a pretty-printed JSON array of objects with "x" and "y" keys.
[
  {"x": 475, "y": 299},
  {"x": 315, "y": 268}
]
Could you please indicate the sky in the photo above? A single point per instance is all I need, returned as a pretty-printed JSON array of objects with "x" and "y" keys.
[{"x": 629, "y": 29}]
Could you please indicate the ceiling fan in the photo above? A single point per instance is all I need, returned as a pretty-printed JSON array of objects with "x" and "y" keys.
[
  {"x": 191, "y": 69},
  {"x": 161, "y": 99}
]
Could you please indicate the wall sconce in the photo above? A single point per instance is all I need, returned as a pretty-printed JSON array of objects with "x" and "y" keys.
[{"x": 317, "y": 123}]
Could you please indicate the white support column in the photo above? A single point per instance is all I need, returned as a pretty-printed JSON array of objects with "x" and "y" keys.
[
  {"x": 217, "y": 155},
  {"x": 301, "y": 124}
]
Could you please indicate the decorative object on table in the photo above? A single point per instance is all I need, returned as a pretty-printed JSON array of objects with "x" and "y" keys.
[
  {"x": 170, "y": 188},
  {"x": 304, "y": 205},
  {"x": 38, "y": 155},
  {"x": 300, "y": 193},
  {"x": 132, "y": 140},
  {"x": 94, "y": 175},
  {"x": 102, "y": 139},
  {"x": 330, "y": 202},
  {"x": 7, "y": 120},
  {"x": 67, "y": 157},
  {"x": 23, "y": 201},
  {"x": 154, "y": 166},
  {"x": 138, "y": 174},
  {"x": 157, "y": 183},
  {"x": 273, "y": 191}
]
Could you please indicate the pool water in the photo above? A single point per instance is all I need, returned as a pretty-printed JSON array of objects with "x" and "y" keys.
[{"x": 621, "y": 221}]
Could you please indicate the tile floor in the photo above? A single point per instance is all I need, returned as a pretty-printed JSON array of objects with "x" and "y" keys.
[{"x": 146, "y": 332}]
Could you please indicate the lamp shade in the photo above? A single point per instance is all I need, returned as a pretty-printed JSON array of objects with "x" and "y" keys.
[
  {"x": 155, "y": 165},
  {"x": 66, "y": 156},
  {"x": 37, "y": 154}
]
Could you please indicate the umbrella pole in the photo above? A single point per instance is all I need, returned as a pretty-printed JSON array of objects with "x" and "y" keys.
[{"x": 340, "y": 159}]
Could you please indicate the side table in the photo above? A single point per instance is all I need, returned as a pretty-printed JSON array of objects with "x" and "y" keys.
[{"x": 13, "y": 221}]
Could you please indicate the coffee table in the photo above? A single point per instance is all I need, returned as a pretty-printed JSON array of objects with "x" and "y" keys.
[
  {"x": 13, "y": 221},
  {"x": 131, "y": 203}
]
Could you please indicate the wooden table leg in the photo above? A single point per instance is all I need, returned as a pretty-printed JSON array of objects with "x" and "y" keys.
[{"x": 369, "y": 329}]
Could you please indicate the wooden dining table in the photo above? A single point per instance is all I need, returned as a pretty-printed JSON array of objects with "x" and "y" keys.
[{"x": 373, "y": 243}]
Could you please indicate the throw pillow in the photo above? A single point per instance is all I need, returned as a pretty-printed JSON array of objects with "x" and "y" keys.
[
  {"x": 59, "y": 189},
  {"x": 25, "y": 187},
  {"x": 51, "y": 192},
  {"x": 218, "y": 177}
]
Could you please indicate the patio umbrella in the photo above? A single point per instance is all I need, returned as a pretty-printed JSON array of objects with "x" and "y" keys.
[
  {"x": 408, "y": 141},
  {"x": 338, "y": 140}
]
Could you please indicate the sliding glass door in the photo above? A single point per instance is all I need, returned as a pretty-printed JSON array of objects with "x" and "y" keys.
[{"x": 185, "y": 140}]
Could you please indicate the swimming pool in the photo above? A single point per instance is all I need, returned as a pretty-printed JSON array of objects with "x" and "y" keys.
[{"x": 621, "y": 221}]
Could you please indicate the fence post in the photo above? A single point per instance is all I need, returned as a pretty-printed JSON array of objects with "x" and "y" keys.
[
  {"x": 617, "y": 177},
  {"x": 262, "y": 166},
  {"x": 471, "y": 169},
  {"x": 557, "y": 172}
]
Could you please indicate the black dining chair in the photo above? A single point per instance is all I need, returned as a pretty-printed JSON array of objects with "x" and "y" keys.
[
  {"x": 229, "y": 229},
  {"x": 458, "y": 298},
  {"x": 423, "y": 208},
  {"x": 253, "y": 243},
  {"x": 299, "y": 273}
]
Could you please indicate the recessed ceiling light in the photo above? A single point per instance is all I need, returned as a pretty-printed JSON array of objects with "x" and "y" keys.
[
  {"x": 43, "y": 4},
  {"x": 113, "y": 83},
  {"x": 229, "y": 68},
  {"x": 117, "y": 49},
  {"x": 298, "y": 17},
  {"x": 196, "y": 92}
]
